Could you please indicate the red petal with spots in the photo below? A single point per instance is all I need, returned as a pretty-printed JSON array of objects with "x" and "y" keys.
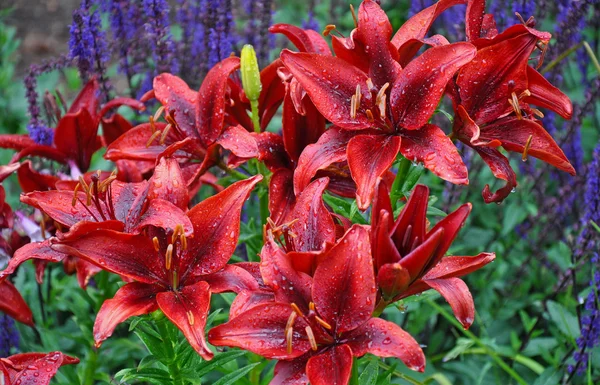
[
  {"x": 87, "y": 98},
  {"x": 451, "y": 224},
  {"x": 281, "y": 195},
  {"x": 329, "y": 149},
  {"x": 332, "y": 367},
  {"x": 12, "y": 304},
  {"x": 420, "y": 257},
  {"x": 178, "y": 99},
  {"x": 514, "y": 133},
  {"x": 375, "y": 32},
  {"x": 239, "y": 141},
  {"x": 351, "y": 51},
  {"x": 231, "y": 278},
  {"x": 168, "y": 183},
  {"x": 369, "y": 157},
  {"x": 458, "y": 266},
  {"x": 288, "y": 284},
  {"x": 411, "y": 47},
  {"x": 216, "y": 222},
  {"x": 16, "y": 142},
  {"x": 431, "y": 146},
  {"x": 501, "y": 169},
  {"x": 393, "y": 279},
  {"x": 386, "y": 339},
  {"x": 132, "y": 144},
  {"x": 188, "y": 309},
  {"x": 212, "y": 101},
  {"x": 34, "y": 368},
  {"x": 131, "y": 300},
  {"x": 545, "y": 95},
  {"x": 290, "y": 372},
  {"x": 271, "y": 96},
  {"x": 299, "y": 131},
  {"x": 304, "y": 40},
  {"x": 35, "y": 250},
  {"x": 261, "y": 330},
  {"x": 164, "y": 214},
  {"x": 474, "y": 19},
  {"x": 330, "y": 82},
  {"x": 417, "y": 26},
  {"x": 483, "y": 83},
  {"x": 344, "y": 283},
  {"x": 410, "y": 227},
  {"x": 132, "y": 256},
  {"x": 76, "y": 135},
  {"x": 246, "y": 300},
  {"x": 314, "y": 226},
  {"x": 456, "y": 292},
  {"x": 420, "y": 86}
]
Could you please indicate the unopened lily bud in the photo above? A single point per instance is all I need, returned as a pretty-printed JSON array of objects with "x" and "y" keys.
[{"x": 250, "y": 73}]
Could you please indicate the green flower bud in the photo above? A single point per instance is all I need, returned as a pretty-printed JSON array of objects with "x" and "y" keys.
[{"x": 250, "y": 73}]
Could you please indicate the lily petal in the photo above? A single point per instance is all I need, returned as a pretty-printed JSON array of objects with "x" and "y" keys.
[
  {"x": 35, "y": 250},
  {"x": 386, "y": 339},
  {"x": 334, "y": 366},
  {"x": 290, "y": 372},
  {"x": 456, "y": 292},
  {"x": 344, "y": 283},
  {"x": 178, "y": 99},
  {"x": 304, "y": 40},
  {"x": 131, "y": 300},
  {"x": 188, "y": 309},
  {"x": 36, "y": 368},
  {"x": 13, "y": 304},
  {"x": 545, "y": 95},
  {"x": 168, "y": 183},
  {"x": 456, "y": 266},
  {"x": 451, "y": 224}
]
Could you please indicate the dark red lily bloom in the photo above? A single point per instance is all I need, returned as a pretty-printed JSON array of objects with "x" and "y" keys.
[
  {"x": 316, "y": 325},
  {"x": 378, "y": 108},
  {"x": 13, "y": 304},
  {"x": 107, "y": 202},
  {"x": 170, "y": 269},
  {"x": 492, "y": 98},
  {"x": 76, "y": 134},
  {"x": 32, "y": 368},
  {"x": 409, "y": 258}
]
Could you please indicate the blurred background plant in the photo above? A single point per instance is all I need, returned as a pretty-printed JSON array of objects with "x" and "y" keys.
[{"x": 537, "y": 306}]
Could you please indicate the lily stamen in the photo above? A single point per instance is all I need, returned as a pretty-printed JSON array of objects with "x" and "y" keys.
[
  {"x": 75, "y": 191},
  {"x": 311, "y": 338},
  {"x": 323, "y": 323},
  {"x": 407, "y": 235},
  {"x": 297, "y": 309},
  {"x": 164, "y": 134},
  {"x": 156, "y": 244},
  {"x": 289, "y": 333},
  {"x": 169, "y": 257},
  {"x": 381, "y": 100},
  {"x": 158, "y": 113},
  {"x": 354, "y": 16},
  {"x": 526, "y": 149},
  {"x": 329, "y": 28},
  {"x": 155, "y": 135},
  {"x": 370, "y": 115},
  {"x": 190, "y": 317}
]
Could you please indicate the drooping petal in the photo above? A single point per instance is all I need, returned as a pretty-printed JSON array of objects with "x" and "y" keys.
[
  {"x": 31, "y": 180},
  {"x": 168, "y": 183},
  {"x": 131, "y": 300},
  {"x": 35, "y": 368},
  {"x": 76, "y": 135},
  {"x": 329, "y": 149},
  {"x": 34, "y": 250},
  {"x": 262, "y": 330},
  {"x": 216, "y": 222},
  {"x": 410, "y": 48},
  {"x": 420, "y": 86},
  {"x": 344, "y": 283},
  {"x": 246, "y": 300},
  {"x": 431, "y": 146},
  {"x": 188, "y": 309},
  {"x": 304, "y": 40},
  {"x": 13, "y": 304},
  {"x": 332, "y": 367},
  {"x": 331, "y": 82},
  {"x": 231, "y": 278},
  {"x": 456, "y": 292},
  {"x": 514, "y": 135},
  {"x": 178, "y": 99},
  {"x": 375, "y": 31},
  {"x": 290, "y": 372},
  {"x": 239, "y": 141},
  {"x": 164, "y": 214},
  {"x": 132, "y": 256},
  {"x": 210, "y": 109},
  {"x": 133, "y": 144},
  {"x": 386, "y": 339},
  {"x": 314, "y": 225},
  {"x": 87, "y": 98},
  {"x": 15, "y": 141},
  {"x": 369, "y": 157},
  {"x": 545, "y": 95},
  {"x": 281, "y": 195},
  {"x": 455, "y": 266},
  {"x": 501, "y": 169}
]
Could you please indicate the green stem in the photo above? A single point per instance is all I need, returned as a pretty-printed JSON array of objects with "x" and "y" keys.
[
  {"x": 563, "y": 55},
  {"x": 255, "y": 120},
  {"x": 174, "y": 370},
  {"x": 90, "y": 367},
  {"x": 592, "y": 56},
  {"x": 380, "y": 307},
  {"x": 510, "y": 371},
  {"x": 396, "y": 192},
  {"x": 399, "y": 374},
  {"x": 232, "y": 172}
]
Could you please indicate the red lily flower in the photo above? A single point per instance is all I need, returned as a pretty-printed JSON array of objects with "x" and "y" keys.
[
  {"x": 76, "y": 134},
  {"x": 169, "y": 270},
  {"x": 316, "y": 325},
  {"x": 409, "y": 258},
  {"x": 385, "y": 108},
  {"x": 32, "y": 368},
  {"x": 128, "y": 207},
  {"x": 492, "y": 102},
  {"x": 13, "y": 304}
]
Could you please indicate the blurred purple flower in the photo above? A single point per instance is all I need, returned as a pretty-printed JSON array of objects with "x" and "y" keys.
[{"x": 9, "y": 336}]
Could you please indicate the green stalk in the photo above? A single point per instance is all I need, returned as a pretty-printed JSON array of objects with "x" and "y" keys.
[
  {"x": 90, "y": 367},
  {"x": 563, "y": 55},
  {"x": 234, "y": 173},
  {"x": 396, "y": 192},
  {"x": 399, "y": 374},
  {"x": 174, "y": 370},
  {"x": 510, "y": 371},
  {"x": 255, "y": 120}
]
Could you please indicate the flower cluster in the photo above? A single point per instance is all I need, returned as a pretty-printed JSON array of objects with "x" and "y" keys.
[{"x": 353, "y": 121}]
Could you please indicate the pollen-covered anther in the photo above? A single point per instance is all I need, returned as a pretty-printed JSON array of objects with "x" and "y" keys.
[
  {"x": 381, "y": 100},
  {"x": 164, "y": 134},
  {"x": 158, "y": 113},
  {"x": 169, "y": 257},
  {"x": 537, "y": 113},
  {"x": 514, "y": 103},
  {"x": 289, "y": 334},
  {"x": 156, "y": 244},
  {"x": 370, "y": 84},
  {"x": 329, "y": 28},
  {"x": 177, "y": 231},
  {"x": 89, "y": 191},
  {"x": 75, "y": 191},
  {"x": 155, "y": 135},
  {"x": 527, "y": 147},
  {"x": 190, "y": 317},
  {"x": 152, "y": 125},
  {"x": 323, "y": 323},
  {"x": 297, "y": 309},
  {"x": 183, "y": 240},
  {"x": 311, "y": 338}
]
